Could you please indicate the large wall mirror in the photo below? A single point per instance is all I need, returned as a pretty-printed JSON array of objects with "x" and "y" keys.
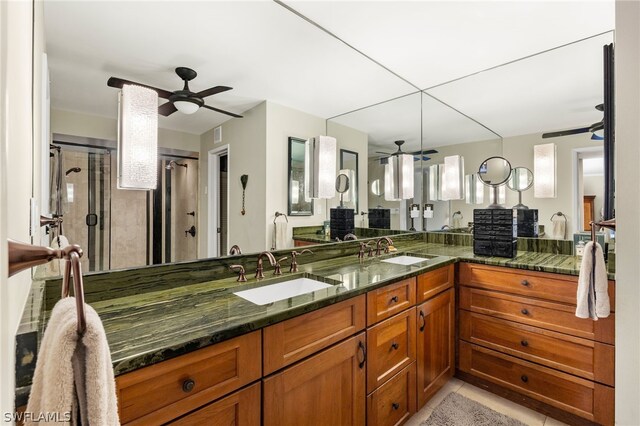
[
  {"x": 299, "y": 202},
  {"x": 202, "y": 207}
]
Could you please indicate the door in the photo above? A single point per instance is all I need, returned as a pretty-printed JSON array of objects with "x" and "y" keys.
[
  {"x": 326, "y": 389},
  {"x": 435, "y": 349},
  {"x": 589, "y": 211}
]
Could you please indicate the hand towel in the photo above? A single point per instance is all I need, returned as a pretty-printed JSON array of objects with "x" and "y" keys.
[
  {"x": 279, "y": 236},
  {"x": 456, "y": 222},
  {"x": 73, "y": 374},
  {"x": 558, "y": 227},
  {"x": 592, "y": 298}
]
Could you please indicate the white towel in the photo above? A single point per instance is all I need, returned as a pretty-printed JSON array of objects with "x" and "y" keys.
[
  {"x": 592, "y": 299},
  {"x": 456, "y": 222},
  {"x": 279, "y": 236},
  {"x": 558, "y": 226},
  {"x": 73, "y": 375}
]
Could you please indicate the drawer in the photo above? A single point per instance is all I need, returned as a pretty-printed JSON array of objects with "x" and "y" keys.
[
  {"x": 553, "y": 287},
  {"x": 389, "y": 300},
  {"x": 166, "y": 390},
  {"x": 395, "y": 401},
  {"x": 291, "y": 340},
  {"x": 241, "y": 408},
  {"x": 548, "y": 315},
  {"x": 434, "y": 282},
  {"x": 391, "y": 346},
  {"x": 581, "y": 397},
  {"x": 574, "y": 355}
]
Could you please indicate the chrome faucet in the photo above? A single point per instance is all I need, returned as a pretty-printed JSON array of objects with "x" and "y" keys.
[
  {"x": 350, "y": 237},
  {"x": 386, "y": 249},
  {"x": 444, "y": 227},
  {"x": 259, "y": 269},
  {"x": 234, "y": 250},
  {"x": 294, "y": 262}
]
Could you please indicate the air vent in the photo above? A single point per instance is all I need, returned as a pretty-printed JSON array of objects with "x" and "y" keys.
[{"x": 217, "y": 134}]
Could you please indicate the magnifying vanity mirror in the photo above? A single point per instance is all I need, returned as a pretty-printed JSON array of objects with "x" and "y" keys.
[
  {"x": 342, "y": 186},
  {"x": 495, "y": 172},
  {"x": 520, "y": 180}
]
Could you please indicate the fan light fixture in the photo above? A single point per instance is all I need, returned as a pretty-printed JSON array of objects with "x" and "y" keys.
[
  {"x": 186, "y": 106},
  {"x": 320, "y": 167},
  {"x": 137, "y": 138},
  {"x": 544, "y": 170}
]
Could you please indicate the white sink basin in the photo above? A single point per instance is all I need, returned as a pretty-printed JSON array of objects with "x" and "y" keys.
[
  {"x": 280, "y": 291},
  {"x": 405, "y": 260}
]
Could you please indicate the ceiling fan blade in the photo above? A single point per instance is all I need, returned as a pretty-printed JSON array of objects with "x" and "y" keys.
[
  {"x": 119, "y": 82},
  {"x": 595, "y": 137},
  {"x": 425, "y": 152},
  {"x": 565, "y": 132},
  {"x": 167, "y": 109},
  {"x": 213, "y": 91},
  {"x": 222, "y": 111},
  {"x": 382, "y": 152}
]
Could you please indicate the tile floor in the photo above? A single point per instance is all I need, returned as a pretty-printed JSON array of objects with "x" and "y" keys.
[{"x": 501, "y": 405}]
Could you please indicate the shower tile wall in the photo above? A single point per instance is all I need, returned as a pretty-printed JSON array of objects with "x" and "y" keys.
[{"x": 183, "y": 183}]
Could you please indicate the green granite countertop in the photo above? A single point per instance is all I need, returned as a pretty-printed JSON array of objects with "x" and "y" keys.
[{"x": 153, "y": 326}]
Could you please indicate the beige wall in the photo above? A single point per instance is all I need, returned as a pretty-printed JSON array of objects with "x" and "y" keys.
[
  {"x": 594, "y": 185},
  {"x": 93, "y": 126},
  {"x": 627, "y": 207},
  {"x": 247, "y": 153}
]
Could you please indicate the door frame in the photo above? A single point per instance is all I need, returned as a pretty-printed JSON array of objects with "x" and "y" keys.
[{"x": 213, "y": 198}]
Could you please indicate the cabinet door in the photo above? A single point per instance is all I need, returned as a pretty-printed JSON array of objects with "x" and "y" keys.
[
  {"x": 326, "y": 389},
  {"x": 435, "y": 349}
]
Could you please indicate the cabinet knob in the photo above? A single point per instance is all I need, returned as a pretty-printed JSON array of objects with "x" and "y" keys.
[
  {"x": 524, "y": 343},
  {"x": 524, "y": 378},
  {"x": 394, "y": 345},
  {"x": 188, "y": 385},
  {"x": 394, "y": 299},
  {"x": 525, "y": 283},
  {"x": 395, "y": 405},
  {"x": 524, "y": 311}
]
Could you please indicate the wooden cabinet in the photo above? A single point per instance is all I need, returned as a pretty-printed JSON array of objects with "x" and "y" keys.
[
  {"x": 325, "y": 389},
  {"x": 301, "y": 243},
  {"x": 387, "y": 301},
  {"x": 583, "y": 398},
  {"x": 299, "y": 337},
  {"x": 164, "y": 391},
  {"x": 395, "y": 401},
  {"x": 391, "y": 346},
  {"x": 519, "y": 337},
  {"x": 434, "y": 282},
  {"x": 435, "y": 344},
  {"x": 241, "y": 408}
]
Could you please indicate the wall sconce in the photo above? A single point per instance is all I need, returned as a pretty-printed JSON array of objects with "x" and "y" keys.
[
  {"x": 474, "y": 190},
  {"x": 544, "y": 170},
  {"x": 436, "y": 176},
  {"x": 137, "y": 138},
  {"x": 501, "y": 192},
  {"x": 453, "y": 182},
  {"x": 398, "y": 173},
  {"x": 320, "y": 167}
]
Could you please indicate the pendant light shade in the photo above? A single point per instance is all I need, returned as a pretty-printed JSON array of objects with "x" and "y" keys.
[
  {"x": 544, "y": 170},
  {"x": 399, "y": 177},
  {"x": 137, "y": 138},
  {"x": 436, "y": 175},
  {"x": 320, "y": 167},
  {"x": 474, "y": 189},
  {"x": 453, "y": 182}
]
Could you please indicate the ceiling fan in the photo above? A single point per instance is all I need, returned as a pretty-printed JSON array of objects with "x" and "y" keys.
[
  {"x": 416, "y": 154},
  {"x": 597, "y": 129},
  {"x": 183, "y": 100}
]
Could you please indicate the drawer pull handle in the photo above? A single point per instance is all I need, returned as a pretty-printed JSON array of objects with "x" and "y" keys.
[
  {"x": 394, "y": 345},
  {"x": 524, "y": 343},
  {"x": 524, "y": 311},
  {"x": 364, "y": 354},
  {"x": 524, "y": 378},
  {"x": 395, "y": 405},
  {"x": 525, "y": 283},
  {"x": 394, "y": 299},
  {"x": 188, "y": 385},
  {"x": 423, "y": 321}
]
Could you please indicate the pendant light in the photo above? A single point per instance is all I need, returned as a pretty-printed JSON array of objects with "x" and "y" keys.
[
  {"x": 453, "y": 182},
  {"x": 544, "y": 170},
  {"x": 399, "y": 177},
  {"x": 320, "y": 167}
]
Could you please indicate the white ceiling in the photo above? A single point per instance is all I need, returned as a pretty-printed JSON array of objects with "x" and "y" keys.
[{"x": 266, "y": 52}]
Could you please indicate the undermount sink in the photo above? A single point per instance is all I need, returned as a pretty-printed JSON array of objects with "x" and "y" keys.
[
  {"x": 405, "y": 260},
  {"x": 282, "y": 290}
]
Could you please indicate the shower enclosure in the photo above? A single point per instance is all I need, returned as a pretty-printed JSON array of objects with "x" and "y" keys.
[{"x": 123, "y": 228}]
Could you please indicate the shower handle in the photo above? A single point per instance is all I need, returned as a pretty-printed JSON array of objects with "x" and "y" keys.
[{"x": 191, "y": 231}]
